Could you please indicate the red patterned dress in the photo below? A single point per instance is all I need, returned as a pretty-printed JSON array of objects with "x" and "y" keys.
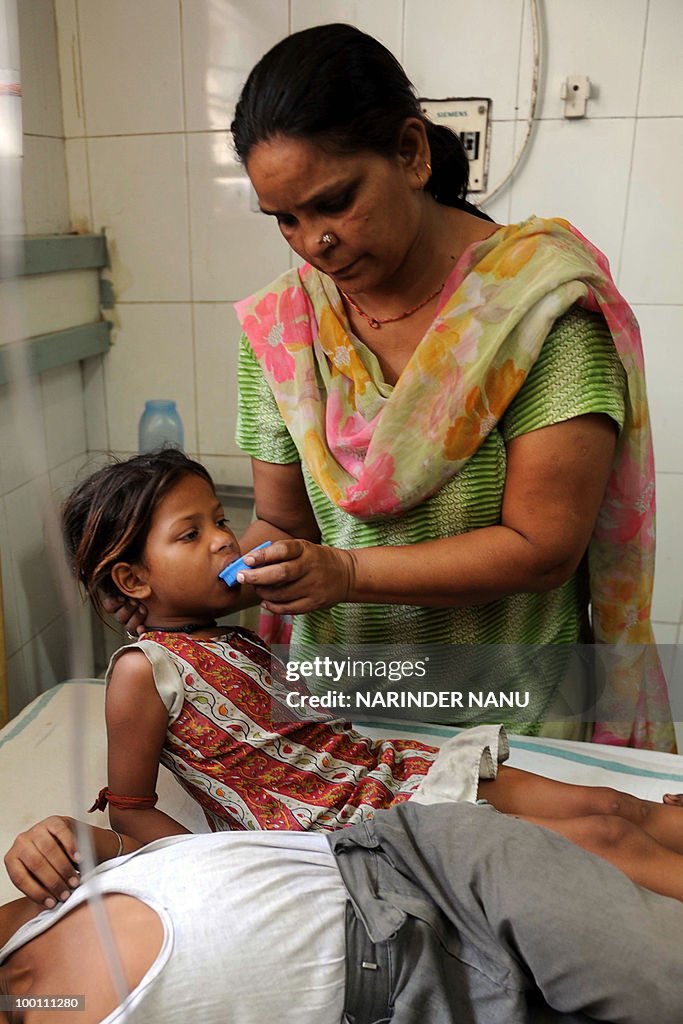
[{"x": 232, "y": 745}]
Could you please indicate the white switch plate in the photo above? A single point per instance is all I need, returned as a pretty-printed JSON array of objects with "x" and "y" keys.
[
  {"x": 576, "y": 91},
  {"x": 470, "y": 119}
]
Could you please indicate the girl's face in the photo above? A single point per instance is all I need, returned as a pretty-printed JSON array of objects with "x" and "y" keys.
[
  {"x": 370, "y": 202},
  {"x": 188, "y": 544}
]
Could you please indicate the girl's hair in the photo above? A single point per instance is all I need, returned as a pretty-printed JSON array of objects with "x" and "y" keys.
[
  {"x": 339, "y": 87},
  {"x": 107, "y": 518}
]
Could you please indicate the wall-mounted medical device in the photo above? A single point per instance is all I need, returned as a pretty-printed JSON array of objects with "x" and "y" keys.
[{"x": 470, "y": 119}]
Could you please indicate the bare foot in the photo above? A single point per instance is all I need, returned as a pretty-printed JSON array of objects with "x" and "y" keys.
[{"x": 676, "y": 799}]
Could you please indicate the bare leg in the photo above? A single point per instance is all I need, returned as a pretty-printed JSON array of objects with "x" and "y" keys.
[
  {"x": 645, "y": 861},
  {"x": 523, "y": 793}
]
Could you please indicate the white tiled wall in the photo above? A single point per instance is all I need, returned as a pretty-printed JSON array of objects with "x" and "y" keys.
[
  {"x": 148, "y": 91},
  {"x": 139, "y": 193},
  {"x": 44, "y": 448},
  {"x": 661, "y": 92},
  {"x": 560, "y": 155},
  {"x": 130, "y": 65},
  {"x": 155, "y": 339},
  {"x": 231, "y": 246},
  {"x": 384, "y": 19},
  {"x": 603, "y": 41},
  {"x": 653, "y": 246},
  {"x": 46, "y": 206},
  {"x": 43, "y": 440},
  {"x": 449, "y": 53},
  {"x": 221, "y": 40}
]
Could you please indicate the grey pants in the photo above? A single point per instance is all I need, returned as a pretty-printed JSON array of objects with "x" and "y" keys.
[{"x": 461, "y": 915}]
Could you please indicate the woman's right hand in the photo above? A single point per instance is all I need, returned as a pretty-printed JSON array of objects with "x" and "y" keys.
[
  {"x": 43, "y": 861},
  {"x": 131, "y": 614}
]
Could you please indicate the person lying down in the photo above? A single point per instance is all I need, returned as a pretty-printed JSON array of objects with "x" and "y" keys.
[
  {"x": 200, "y": 698},
  {"x": 426, "y": 913}
]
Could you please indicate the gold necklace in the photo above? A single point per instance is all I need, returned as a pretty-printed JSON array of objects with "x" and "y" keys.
[{"x": 376, "y": 322}]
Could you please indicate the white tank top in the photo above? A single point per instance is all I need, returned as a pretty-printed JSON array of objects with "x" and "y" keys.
[{"x": 253, "y": 928}]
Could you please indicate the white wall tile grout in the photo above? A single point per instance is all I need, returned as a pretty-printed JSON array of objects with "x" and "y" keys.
[
  {"x": 80, "y": 85},
  {"x": 620, "y": 252},
  {"x": 522, "y": 29},
  {"x": 188, "y": 194}
]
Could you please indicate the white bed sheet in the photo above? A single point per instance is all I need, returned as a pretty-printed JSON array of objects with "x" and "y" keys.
[
  {"x": 645, "y": 773},
  {"x": 53, "y": 760}
]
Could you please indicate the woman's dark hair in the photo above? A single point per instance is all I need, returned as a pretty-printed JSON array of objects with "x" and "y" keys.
[
  {"x": 106, "y": 519},
  {"x": 343, "y": 89}
]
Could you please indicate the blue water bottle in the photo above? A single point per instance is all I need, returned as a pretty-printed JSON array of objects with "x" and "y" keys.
[{"x": 160, "y": 426}]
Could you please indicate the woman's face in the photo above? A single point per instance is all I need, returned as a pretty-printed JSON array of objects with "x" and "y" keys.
[{"x": 371, "y": 203}]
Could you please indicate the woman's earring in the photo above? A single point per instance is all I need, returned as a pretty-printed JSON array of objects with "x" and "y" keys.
[
  {"x": 328, "y": 238},
  {"x": 428, "y": 167}
]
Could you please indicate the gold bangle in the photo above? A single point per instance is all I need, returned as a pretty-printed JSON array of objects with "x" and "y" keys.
[{"x": 120, "y": 839}]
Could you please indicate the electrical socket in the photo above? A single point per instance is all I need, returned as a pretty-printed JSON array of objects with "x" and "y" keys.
[{"x": 470, "y": 119}]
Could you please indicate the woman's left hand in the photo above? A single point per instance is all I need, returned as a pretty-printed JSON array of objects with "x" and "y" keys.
[{"x": 296, "y": 576}]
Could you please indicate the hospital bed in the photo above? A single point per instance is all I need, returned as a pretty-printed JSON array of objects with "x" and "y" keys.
[{"x": 53, "y": 760}]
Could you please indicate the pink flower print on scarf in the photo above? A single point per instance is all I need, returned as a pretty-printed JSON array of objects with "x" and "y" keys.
[
  {"x": 348, "y": 436},
  {"x": 279, "y": 325},
  {"x": 375, "y": 491},
  {"x": 629, "y": 504}
]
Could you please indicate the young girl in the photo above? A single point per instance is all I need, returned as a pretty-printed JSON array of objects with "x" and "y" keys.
[{"x": 200, "y": 699}]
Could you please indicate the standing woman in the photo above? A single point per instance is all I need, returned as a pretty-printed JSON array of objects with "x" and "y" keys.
[{"x": 448, "y": 415}]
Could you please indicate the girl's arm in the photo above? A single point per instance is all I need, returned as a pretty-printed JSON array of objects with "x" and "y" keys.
[
  {"x": 136, "y": 727},
  {"x": 556, "y": 478}
]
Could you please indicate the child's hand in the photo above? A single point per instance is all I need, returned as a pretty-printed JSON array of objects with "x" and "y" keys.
[
  {"x": 42, "y": 862},
  {"x": 130, "y": 613}
]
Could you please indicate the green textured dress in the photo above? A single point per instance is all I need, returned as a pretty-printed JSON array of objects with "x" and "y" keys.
[{"x": 578, "y": 372}]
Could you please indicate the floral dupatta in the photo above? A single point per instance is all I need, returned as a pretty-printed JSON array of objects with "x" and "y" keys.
[{"x": 378, "y": 451}]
